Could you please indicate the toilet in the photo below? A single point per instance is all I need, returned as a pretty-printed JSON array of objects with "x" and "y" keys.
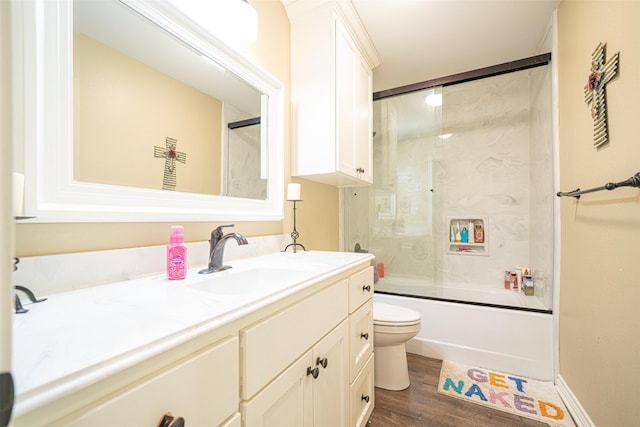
[{"x": 392, "y": 327}]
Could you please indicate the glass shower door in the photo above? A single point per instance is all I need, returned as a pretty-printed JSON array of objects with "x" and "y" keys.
[{"x": 394, "y": 218}]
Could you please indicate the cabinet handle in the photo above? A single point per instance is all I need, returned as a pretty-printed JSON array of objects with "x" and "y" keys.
[
  {"x": 364, "y": 335},
  {"x": 360, "y": 170},
  {"x": 322, "y": 362},
  {"x": 314, "y": 372},
  {"x": 365, "y": 397},
  {"x": 169, "y": 420},
  {"x": 366, "y": 288}
]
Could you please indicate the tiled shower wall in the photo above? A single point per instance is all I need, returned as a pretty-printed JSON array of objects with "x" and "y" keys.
[{"x": 496, "y": 165}]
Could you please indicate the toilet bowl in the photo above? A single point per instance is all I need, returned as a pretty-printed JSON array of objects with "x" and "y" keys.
[{"x": 393, "y": 326}]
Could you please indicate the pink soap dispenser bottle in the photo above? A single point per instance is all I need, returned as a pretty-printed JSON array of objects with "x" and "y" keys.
[{"x": 176, "y": 254}]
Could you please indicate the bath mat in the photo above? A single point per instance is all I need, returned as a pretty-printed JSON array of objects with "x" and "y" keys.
[{"x": 537, "y": 400}]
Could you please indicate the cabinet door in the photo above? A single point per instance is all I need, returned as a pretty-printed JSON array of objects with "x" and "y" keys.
[
  {"x": 363, "y": 395},
  {"x": 331, "y": 389},
  {"x": 361, "y": 338},
  {"x": 285, "y": 402},
  {"x": 360, "y": 288},
  {"x": 345, "y": 60},
  {"x": 363, "y": 131}
]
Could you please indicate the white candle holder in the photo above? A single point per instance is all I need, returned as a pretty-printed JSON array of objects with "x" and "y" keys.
[{"x": 294, "y": 233}]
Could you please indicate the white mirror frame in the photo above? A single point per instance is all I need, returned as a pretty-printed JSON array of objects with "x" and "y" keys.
[{"x": 44, "y": 73}]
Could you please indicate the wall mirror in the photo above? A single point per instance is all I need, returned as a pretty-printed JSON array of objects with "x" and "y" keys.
[{"x": 140, "y": 114}]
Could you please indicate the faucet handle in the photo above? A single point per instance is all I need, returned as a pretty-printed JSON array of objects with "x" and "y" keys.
[{"x": 217, "y": 233}]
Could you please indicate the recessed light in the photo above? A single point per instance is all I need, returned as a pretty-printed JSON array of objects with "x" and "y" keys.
[{"x": 433, "y": 99}]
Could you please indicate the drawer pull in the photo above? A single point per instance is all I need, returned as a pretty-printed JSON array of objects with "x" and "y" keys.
[
  {"x": 314, "y": 372},
  {"x": 366, "y": 288},
  {"x": 365, "y": 397},
  {"x": 169, "y": 420},
  {"x": 322, "y": 362},
  {"x": 364, "y": 335}
]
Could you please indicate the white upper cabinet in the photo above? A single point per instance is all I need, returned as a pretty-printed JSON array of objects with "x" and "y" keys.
[{"x": 331, "y": 91}]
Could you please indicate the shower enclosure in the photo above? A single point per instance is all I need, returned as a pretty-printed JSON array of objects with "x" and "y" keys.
[
  {"x": 246, "y": 170},
  {"x": 463, "y": 191}
]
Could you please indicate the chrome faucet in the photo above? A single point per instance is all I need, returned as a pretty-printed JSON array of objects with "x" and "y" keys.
[{"x": 216, "y": 248}]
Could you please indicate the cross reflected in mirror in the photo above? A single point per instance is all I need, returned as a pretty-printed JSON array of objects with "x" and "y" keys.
[{"x": 171, "y": 156}]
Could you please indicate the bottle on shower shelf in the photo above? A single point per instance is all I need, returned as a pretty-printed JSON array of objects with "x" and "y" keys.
[
  {"x": 471, "y": 228},
  {"x": 464, "y": 235},
  {"x": 478, "y": 233}
]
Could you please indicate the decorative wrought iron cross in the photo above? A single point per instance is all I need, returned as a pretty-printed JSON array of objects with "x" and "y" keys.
[
  {"x": 594, "y": 92},
  {"x": 171, "y": 156}
]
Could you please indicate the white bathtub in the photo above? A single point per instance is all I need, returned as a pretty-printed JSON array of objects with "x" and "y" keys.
[
  {"x": 493, "y": 294},
  {"x": 507, "y": 340}
]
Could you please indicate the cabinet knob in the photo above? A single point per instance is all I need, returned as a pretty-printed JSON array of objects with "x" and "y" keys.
[
  {"x": 314, "y": 372},
  {"x": 169, "y": 420},
  {"x": 366, "y": 288},
  {"x": 360, "y": 170},
  {"x": 322, "y": 362},
  {"x": 365, "y": 397},
  {"x": 364, "y": 335}
]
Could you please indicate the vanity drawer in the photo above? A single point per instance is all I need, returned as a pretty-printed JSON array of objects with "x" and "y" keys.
[
  {"x": 361, "y": 338},
  {"x": 363, "y": 395},
  {"x": 203, "y": 390},
  {"x": 273, "y": 344},
  {"x": 360, "y": 288}
]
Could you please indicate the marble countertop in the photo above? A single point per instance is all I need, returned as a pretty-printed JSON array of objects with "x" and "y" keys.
[{"x": 78, "y": 337}]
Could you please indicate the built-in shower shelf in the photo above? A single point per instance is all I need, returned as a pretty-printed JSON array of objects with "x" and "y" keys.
[{"x": 476, "y": 235}]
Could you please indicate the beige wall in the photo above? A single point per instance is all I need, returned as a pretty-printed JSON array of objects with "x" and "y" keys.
[
  {"x": 122, "y": 111},
  {"x": 317, "y": 215},
  {"x": 599, "y": 328}
]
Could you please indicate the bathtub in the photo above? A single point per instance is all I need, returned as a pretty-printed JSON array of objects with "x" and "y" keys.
[
  {"x": 515, "y": 341},
  {"x": 491, "y": 294}
]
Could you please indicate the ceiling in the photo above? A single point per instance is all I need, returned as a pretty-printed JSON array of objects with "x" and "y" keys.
[{"x": 420, "y": 40}]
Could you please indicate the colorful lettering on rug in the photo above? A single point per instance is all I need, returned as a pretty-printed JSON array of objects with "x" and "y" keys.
[{"x": 507, "y": 391}]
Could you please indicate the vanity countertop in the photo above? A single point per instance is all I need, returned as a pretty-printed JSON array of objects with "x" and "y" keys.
[{"x": 78, "y": 337}]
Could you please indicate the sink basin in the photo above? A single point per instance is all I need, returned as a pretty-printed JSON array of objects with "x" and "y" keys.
[{"x": 243, "y": 282}]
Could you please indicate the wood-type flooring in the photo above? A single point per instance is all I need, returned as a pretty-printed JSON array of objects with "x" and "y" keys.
[{"x": 421, "y": 404}]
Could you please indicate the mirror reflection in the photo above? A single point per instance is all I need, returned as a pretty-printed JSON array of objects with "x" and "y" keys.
[{"x": 151, "y": 112}]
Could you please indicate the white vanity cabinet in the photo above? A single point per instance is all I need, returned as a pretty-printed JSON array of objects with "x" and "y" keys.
[
  {"x": 296, "y": 356},
  {"x": 332, "y": 99},
  {"x": 317, "y": 371}
]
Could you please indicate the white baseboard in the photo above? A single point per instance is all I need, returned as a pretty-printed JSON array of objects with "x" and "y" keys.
[
  {"x": 579, "y": 415},
  {"x": 505, "y": 362}
]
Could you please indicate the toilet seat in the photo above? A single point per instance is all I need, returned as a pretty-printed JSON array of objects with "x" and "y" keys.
[{"x": 393, "y": 315}]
